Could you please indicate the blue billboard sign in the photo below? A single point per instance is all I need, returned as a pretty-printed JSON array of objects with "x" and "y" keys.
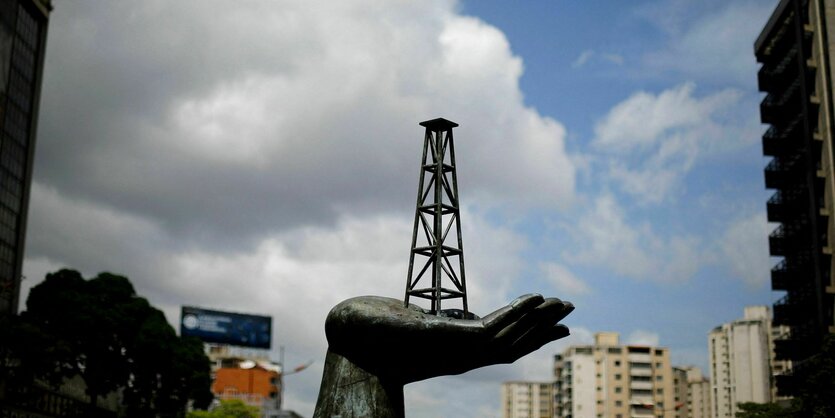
[{"x": 226, "y": 327}]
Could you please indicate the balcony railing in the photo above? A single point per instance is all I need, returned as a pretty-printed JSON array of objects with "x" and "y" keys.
[
  {"x": 640, "y": 385},
  {"x": 789, "y": 239},
  {"x": 773, "y": 76},
  {"x": 787, "y": 205},
  {"x": 776, "y": 108},
  {"x": 793, "y": 309},
  {"x": 784, "y": 173},
  {"x": 783, "y": 141}
]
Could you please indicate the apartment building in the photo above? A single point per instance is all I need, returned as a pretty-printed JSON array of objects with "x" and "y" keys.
[
  {"x": 611, "y": 380},
  {"x": 692, "y": 393},
  {"x": 742, "y": 362},
  {"x": 794, "y": 50},
  {"x": 527, "y": 399}
]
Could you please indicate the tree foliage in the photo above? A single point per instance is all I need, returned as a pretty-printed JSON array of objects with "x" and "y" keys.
[
  {"x": 766, "y": 410},
  {"x": 102, "y": 331},
  {"x": 816, "y": 383},
  {"x": 233, "y": 408}
]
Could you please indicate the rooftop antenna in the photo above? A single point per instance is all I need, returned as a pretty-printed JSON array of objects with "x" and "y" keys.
[{"x": 436, "y": 236}]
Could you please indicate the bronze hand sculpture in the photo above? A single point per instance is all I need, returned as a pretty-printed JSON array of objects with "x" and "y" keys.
[{"x": 377, "y": 345}]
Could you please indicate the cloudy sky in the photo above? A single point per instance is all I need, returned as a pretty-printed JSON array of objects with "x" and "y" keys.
[{"x": 262, "y": 157}]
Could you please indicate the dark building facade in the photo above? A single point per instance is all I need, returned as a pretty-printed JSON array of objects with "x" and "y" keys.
[
  {"x": 794, "y": 50},
  {"x": 23, "y": 25}
]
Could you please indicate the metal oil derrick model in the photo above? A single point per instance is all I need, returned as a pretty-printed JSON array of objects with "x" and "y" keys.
[{"x": 436, "y": 260}]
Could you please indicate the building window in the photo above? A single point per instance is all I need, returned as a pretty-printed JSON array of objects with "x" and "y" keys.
[
  {"x": 618, "y": 389},
  {"x": 617, "y": 376},
  {"x": 618, "y": 403},
  {"x": 617, "y": 363}
]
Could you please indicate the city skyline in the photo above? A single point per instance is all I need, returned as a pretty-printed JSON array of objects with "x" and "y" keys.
[{"x": 262, "y": 158}]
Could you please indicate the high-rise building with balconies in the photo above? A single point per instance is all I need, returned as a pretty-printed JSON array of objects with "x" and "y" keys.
[
  {"x": 23, "y": 26},
  {"x": 794, "y": 49},
  {"x": 613, "y": 381}
]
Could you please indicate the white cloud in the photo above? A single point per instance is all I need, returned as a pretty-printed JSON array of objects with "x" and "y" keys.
[
  {"x": 244, "y": 120},
  {"x": 643, "y": 337},
  {"x": 714, "y": 43},
  {"x": 613, "y": 58},
  {"x": 650, "y": 142},
  {"x": 589, "y": 54},
  {"x": 744, "y": 247},
  {"x": 564, "y": 281},
  {"x": 603, "y": 237},
  {"x": 583, "y": 58}
]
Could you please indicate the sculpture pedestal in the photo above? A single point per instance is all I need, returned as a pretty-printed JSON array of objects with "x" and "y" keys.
[{"x": 348, "y": 391}]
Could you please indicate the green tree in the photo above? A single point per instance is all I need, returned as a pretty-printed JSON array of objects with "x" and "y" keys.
[
  {"x": 815, "y": 396},
  {"x": 814, "y": 389},
  {"x": 27, "y": 353},
  {"x": 87, "y": 317},
  {"x": 114, "y": 339},
  {"x": 762, "y": 410},
  {"x": 228, "y": 409}
]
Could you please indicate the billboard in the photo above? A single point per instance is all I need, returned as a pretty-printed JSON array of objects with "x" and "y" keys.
[{"x": 226, "y": 327}]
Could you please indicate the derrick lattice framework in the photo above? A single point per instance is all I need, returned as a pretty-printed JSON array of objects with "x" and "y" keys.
[{"x": 436, "y": 260}]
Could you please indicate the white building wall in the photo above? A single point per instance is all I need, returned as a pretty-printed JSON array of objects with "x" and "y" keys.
[
  {"x": 740, "y": 362},
  {"x": 583, "y": 381}
]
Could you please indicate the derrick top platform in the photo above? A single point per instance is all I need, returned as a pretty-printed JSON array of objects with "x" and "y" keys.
[{"x": 439, "y": 124}]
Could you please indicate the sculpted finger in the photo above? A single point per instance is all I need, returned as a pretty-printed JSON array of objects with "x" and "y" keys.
[
  {"x": 547, "y": 314},
  {"x": 534, "y": 340},
  {"x": 511, "y": 313}
]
